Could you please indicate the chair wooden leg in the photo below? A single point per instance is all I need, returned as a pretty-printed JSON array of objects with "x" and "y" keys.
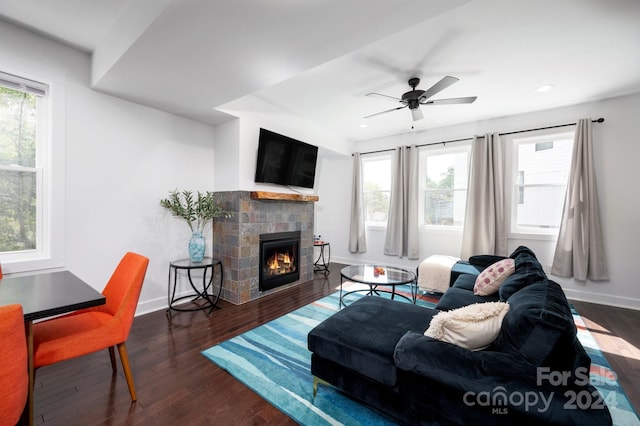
[
  {"x": 122, "y": 349},
  {"x": 112, "y": 356}
]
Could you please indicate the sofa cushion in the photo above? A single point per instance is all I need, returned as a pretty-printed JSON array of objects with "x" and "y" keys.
[
  {"x": 484, "y": 260},
  {"x": 363, "y": 336},
  {"x": 471, "y": 327},
  {"x": 527, "y": 270},
  {"x": 490, "y": 279},
  {"x": 465, "y": 282},
  {"x": 459, "y": 296},
  {"x": 462, "y": 268},
  {"x": 539, "y": 328}
]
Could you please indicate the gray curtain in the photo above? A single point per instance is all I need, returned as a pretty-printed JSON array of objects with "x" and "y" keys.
[
  {"x": 580, "y": 247},
  {"x": 402, "y": 224},
  {"x": 485, "y": 224},
  {"x": 357, "y": 237}
]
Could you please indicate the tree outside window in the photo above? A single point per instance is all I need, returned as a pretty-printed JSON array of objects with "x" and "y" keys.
[
  {"x": 445, "y": 188},
  {"x": 376, "y": 185},
  {"x": 18, "y": 172}
]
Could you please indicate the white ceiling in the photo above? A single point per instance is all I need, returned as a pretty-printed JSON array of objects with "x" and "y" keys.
[{"x": 318, "y": 59}]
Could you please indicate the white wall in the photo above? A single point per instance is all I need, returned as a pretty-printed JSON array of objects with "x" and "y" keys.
[
  {"x": 121, "y": 159},
  {"x": 616, "y": 151},
  {"x": 226, "y": 173},
  {"x": 240, "y": 145}
]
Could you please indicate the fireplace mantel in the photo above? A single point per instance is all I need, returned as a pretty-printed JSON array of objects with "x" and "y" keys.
[{"x": 262, "y": 195}]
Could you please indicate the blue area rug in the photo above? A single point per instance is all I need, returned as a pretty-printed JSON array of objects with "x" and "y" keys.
[{"x": 273, "y": 361}]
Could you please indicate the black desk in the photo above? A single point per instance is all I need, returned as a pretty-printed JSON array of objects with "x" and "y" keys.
[
  {"x": 211, "y": 300},
  {"x": 44, "y": 295}
]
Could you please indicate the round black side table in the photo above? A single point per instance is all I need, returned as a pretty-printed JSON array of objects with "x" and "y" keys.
[
  {"x": 324, "y": 257},
  {"x": 210, "y": 300}
]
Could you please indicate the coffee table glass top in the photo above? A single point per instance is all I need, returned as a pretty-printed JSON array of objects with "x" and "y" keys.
[{"x": 378, "y": 275}]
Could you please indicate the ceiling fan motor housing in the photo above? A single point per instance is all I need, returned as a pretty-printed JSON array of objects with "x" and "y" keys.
[{"x": 412, "y": 98}]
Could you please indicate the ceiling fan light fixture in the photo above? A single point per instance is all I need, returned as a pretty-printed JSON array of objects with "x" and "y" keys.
[{"x": 416, "y": 113}]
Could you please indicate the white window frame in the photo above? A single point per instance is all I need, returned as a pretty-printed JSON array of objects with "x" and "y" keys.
[
  {"x": 372, "y": 158},
  {"x": 428, "y": 151},
  {"x": 50, "y": 169},
  {"x": 513, "y": 141}
]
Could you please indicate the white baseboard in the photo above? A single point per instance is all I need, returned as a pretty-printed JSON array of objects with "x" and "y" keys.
[
  {"x": 603, "y": 299},
  {"x": 149, "y": 306},
  {"x": 158, "y": 303}
]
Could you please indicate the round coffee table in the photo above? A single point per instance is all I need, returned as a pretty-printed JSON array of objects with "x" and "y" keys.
[{"x": 376, "y": 276}]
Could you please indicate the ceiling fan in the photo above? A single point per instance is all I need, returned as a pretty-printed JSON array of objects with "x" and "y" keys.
[{"x": 414, "y": 98}]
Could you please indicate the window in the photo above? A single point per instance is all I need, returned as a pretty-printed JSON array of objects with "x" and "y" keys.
[
  {"x": 444, "y": 176},
  {"x": 539, "y": 172},
  {"x": 376, "y": 186},
  {"x": 23, "y": 114}
]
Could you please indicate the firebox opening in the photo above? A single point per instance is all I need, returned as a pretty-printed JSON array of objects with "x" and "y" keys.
[{"x": 279, "y": 254}]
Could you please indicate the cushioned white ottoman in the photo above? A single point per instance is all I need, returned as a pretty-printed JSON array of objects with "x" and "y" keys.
[{"x": 434, "y": 273}]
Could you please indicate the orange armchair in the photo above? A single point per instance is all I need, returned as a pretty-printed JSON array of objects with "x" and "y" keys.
[
  {"x": 14, "y": 378},
  {"x": 90, "y": 330}
]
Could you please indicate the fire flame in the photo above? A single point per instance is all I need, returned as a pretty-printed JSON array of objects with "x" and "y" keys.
[{"x": 274, "y": 263}]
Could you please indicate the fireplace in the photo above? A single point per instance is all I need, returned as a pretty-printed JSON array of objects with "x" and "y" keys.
[
  {"x": 236, "y": 240},
  {"x": 279, "y": 259}
]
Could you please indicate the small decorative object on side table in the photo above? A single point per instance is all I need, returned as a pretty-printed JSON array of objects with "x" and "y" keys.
[{"x": 324, "y": 257}]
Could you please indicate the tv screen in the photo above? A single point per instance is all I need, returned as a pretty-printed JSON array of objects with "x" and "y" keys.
[{"x": 285, "y": 161}]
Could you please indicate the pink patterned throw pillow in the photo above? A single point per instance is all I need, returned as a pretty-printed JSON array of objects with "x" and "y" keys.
[{"x": 490, "y": 279}]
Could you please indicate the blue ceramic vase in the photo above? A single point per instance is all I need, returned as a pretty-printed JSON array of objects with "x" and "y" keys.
[{"x": 196, "y": 247}]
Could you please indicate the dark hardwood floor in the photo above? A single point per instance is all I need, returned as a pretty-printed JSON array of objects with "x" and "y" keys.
[{"x": 177, "y": 385}]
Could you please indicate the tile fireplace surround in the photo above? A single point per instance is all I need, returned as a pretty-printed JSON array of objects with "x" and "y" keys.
[{"x": 236, "y": 240}]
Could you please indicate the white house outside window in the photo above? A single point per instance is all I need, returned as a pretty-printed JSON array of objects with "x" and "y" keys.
[
  {"x": 23, "y": 117},
  {"x": 539, "y": 171}
]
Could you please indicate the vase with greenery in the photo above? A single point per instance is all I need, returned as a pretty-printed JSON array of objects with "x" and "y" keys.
[{"x": 198, "y": 211}]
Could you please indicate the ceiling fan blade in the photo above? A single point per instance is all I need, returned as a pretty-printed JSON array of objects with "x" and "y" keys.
[
  {"x": 441, "y": 85},
  {"x": 385, "y": 96},
  {"x": 449, "y": 101},
  {"x": 416, "y": 113},
  {"x": 384, "y": 112}
]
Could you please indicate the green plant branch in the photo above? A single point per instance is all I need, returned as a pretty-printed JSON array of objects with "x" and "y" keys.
[{"x": 196, "y": 212}]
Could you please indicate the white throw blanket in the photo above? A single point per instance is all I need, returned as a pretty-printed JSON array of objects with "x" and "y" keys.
[{"x": 434, "y": 273}]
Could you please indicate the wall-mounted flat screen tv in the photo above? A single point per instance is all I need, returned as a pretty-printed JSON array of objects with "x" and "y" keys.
[{"x": 285, "y": 161}]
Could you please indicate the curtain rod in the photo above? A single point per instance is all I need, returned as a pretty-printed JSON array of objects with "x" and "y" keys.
[{"x": 599, "y": 120}]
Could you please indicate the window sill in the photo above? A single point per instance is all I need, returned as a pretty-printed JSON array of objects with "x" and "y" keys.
[
  {"x": 29, "y": 264},
  {"x": 534, "y": 237},
  {"x": 442, "y": 229}
]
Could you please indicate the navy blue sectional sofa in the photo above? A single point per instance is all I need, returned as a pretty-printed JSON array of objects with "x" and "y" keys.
[{"x": 375, "y": 350}]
